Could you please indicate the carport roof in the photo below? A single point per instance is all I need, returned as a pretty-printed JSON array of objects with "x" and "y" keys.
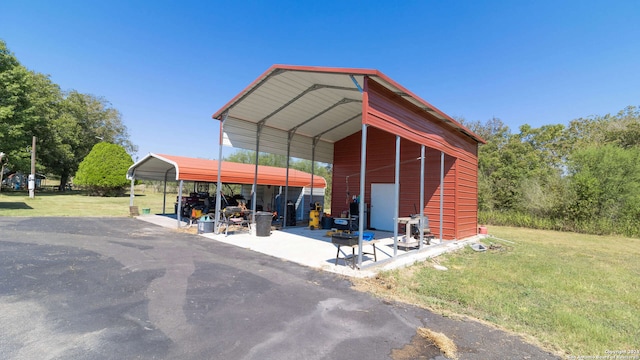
[
  {"x": 308, "y": 106},
  {"x": 170, "y": 167}
]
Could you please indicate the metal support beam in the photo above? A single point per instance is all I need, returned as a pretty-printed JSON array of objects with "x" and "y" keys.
[
  {"x": 313, "y": 162},
  {"x": 355, "y": 82},
  {"x": 219, "y": 182},
  {"x": 164, "y": 193},
  {"x": 254, "y": 197},
  {"x": 363, "y": 168},
  {"x": 300, "y": 95},
  {"x": 286, "y": 181},
  {"x": 441, "y": 193},
  {"x": 131, "y": 192},
  {"x": 421, "y": 196},
  {"x": 336, "y": 104},
  {"x": 179, "y": 214},
  {"x": 397, "y": 198}
]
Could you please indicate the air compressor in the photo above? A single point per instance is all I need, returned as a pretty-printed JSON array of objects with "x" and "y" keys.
[{"x": 314, "y": 216}]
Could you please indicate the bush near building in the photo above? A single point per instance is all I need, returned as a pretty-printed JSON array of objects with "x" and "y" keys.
[{"x": 103, "y": 171}]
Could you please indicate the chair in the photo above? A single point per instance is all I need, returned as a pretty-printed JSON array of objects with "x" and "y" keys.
[{"x": 232, "y": 215}]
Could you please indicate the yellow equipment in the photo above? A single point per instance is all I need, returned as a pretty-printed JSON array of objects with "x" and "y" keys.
[{"x": 314, "y": 217}]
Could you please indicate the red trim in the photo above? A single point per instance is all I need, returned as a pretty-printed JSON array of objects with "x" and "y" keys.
[{"x": 365, "y": 101}]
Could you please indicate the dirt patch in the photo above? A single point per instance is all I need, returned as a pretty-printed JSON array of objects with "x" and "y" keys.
[
  {"x": 426, "y": 344},
  {"x": 383, "y": 286},
  {"x": 419, "y": 348},
  {"x": 440, "y": 340},
  {"x": 188, "y": 230}
]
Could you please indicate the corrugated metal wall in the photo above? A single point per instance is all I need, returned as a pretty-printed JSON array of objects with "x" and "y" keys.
[{"x": 388, "y": 114}]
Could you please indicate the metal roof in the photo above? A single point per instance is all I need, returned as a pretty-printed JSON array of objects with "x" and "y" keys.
[
  {"x": 170, "y": 167},
  {"x": 305, "y": 105}
]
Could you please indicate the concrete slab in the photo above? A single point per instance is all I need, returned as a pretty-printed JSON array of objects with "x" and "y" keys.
[{"x": 313, "y": 248}]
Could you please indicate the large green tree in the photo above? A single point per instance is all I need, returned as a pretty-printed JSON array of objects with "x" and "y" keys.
[
  {"x": 83, "y": 121},
  {"x": 66, "y": 124},
  {"x": 28, "y": 105}
]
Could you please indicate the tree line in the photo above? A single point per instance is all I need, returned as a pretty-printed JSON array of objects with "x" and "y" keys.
[
  {"x": 67, "y": 124},
  {"x": 583, "y": 177}
]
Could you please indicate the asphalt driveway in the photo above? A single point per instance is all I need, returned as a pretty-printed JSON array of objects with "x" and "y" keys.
[{"x": 120, "y": 288}]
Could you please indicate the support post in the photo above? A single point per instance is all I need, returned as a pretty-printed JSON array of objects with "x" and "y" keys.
[
  {"x": 286, "y": 181},
  {"x": 363, "y": 168},
  {"x": 397, "y": 198},
  {"x": 313, "y": 162},
  {"x": 179, "y": 214},
  {"x": 254, "y": 197},
  {"x": 441, "y": 193},
  {"x": 131, "y": 192},
  {"x": 421, "y": 196},
  {"x": 219, "y": 182},
  {"x": 164, "y": 194}
]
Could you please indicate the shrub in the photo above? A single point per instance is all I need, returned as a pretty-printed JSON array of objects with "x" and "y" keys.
[{"x": 103, "y": 171}]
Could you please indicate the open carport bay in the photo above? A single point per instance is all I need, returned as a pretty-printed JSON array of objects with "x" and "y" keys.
[{"x": 116, "y": 288}]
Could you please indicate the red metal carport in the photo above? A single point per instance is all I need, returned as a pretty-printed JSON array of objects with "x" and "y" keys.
[
  {"x": 373, "y": 131},
  {"x": 179, "y": 168}
]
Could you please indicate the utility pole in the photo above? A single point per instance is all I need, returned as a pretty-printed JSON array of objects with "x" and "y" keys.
[
  {"x": 2, "y": 160},
  {"x": 32, "y": 177}
]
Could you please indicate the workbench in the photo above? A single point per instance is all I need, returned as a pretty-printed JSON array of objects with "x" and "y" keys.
[{"x": 407, "y": 240}]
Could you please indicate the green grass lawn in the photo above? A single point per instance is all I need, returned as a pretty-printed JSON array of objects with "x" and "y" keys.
[
  {"x": 76, "y": 203},
  {"x": 573, "y": 293}
]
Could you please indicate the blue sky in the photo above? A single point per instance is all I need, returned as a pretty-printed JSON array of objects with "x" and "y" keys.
[{"x": 167, "y": 66}]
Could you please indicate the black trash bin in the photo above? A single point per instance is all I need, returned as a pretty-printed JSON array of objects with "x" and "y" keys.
[
  {"x": 291, "y": 214},
  {"x": 263, "y": 223},
  {"x": 326, "y": 222}
]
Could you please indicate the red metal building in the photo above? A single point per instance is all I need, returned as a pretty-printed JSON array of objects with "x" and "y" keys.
[{"x": 376, "y": 134}]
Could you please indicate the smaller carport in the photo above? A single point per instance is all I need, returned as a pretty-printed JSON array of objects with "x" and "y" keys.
[{"x": 165, "y": 168}]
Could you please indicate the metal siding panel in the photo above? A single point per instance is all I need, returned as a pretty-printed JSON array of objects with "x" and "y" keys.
[
  {"x": 459, "y": 207},
  {"x": 468, "y": 199},
  {"x": 380, "y": 169}
]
